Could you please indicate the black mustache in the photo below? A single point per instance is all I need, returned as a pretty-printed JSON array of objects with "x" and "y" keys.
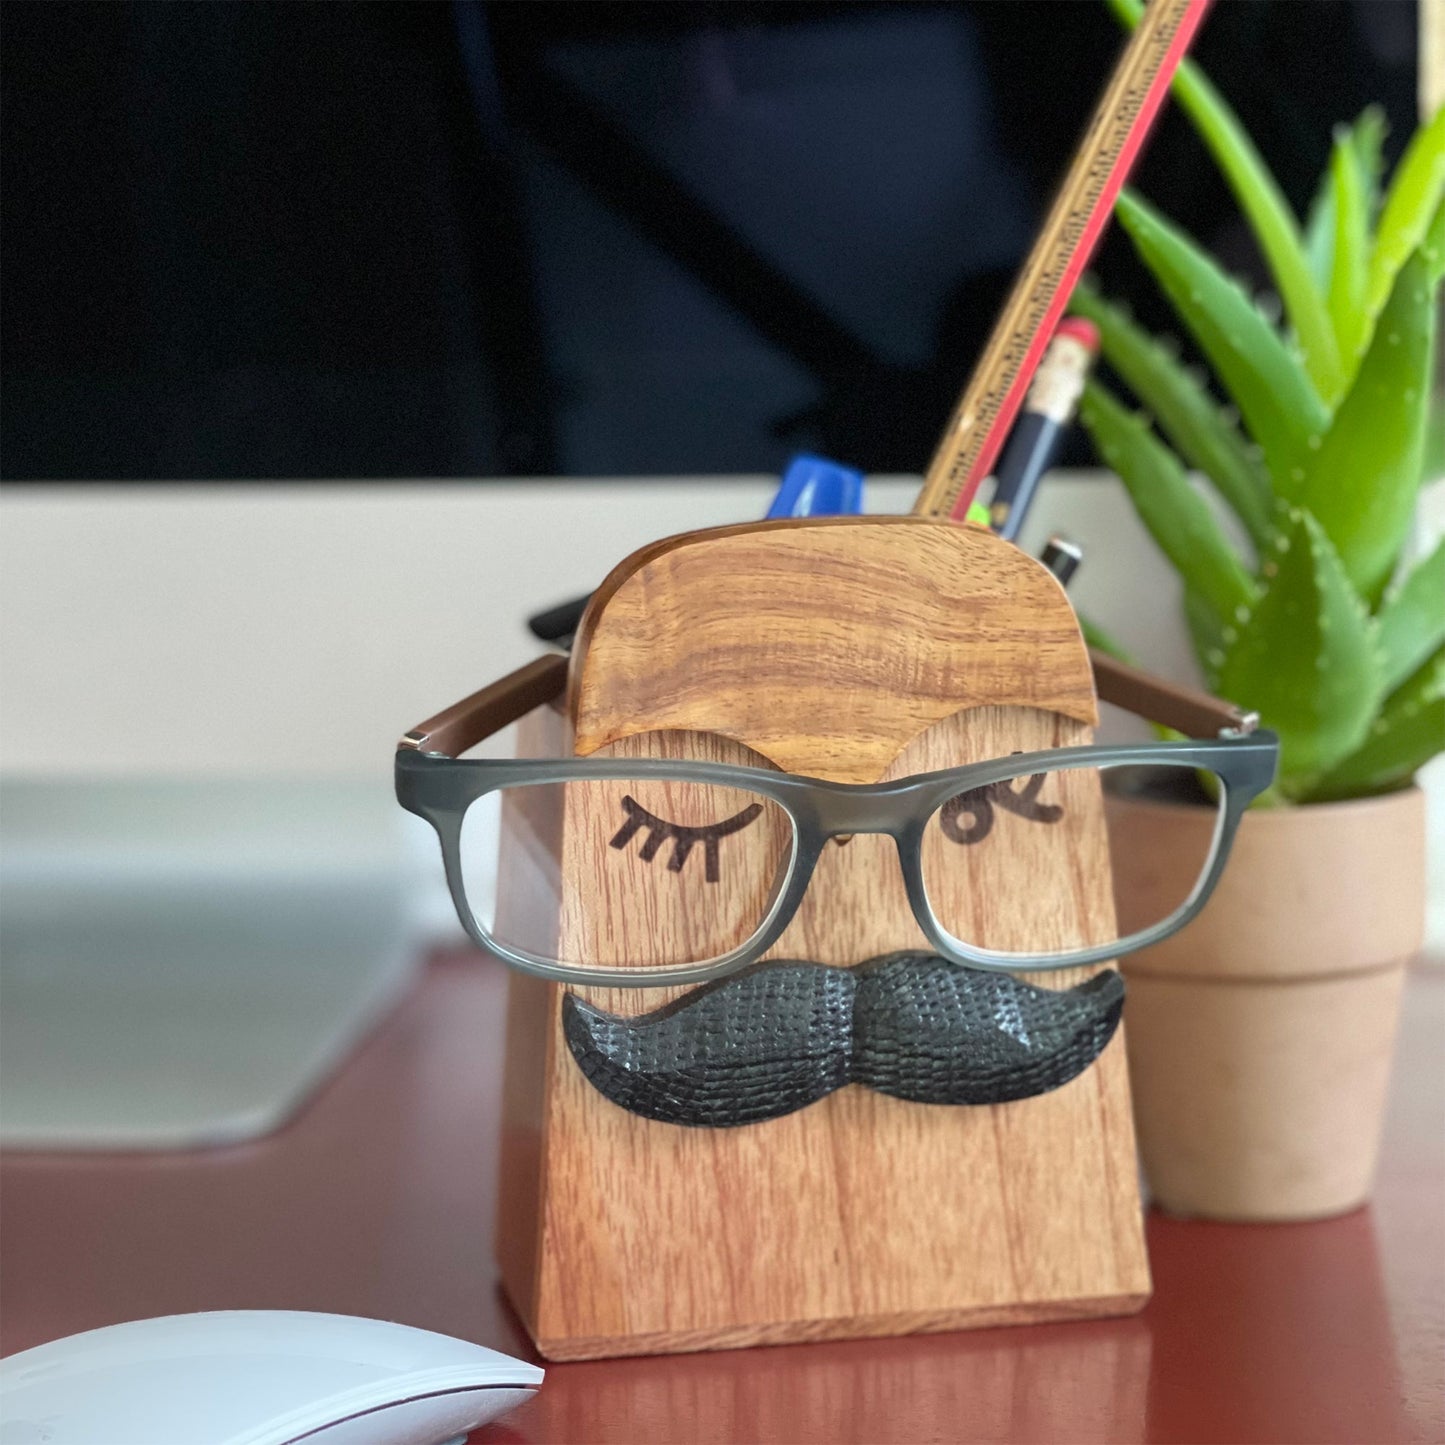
[{"x": 779, "y": 1036}]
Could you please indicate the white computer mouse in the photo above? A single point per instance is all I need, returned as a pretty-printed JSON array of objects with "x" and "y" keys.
[{"x": 256, "y": 1377}]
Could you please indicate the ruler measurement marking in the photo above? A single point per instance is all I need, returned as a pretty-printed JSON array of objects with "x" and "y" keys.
[{"x": 974, "y": 432}]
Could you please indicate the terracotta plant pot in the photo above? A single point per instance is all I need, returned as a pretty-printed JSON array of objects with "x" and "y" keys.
[{"x": 1260, "y": 1037}]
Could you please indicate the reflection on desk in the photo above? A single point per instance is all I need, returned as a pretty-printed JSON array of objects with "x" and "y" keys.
[{"x": 378, "y": 1199}]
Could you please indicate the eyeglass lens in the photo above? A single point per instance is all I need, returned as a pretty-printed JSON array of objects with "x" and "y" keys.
[
  {"x": 618, "y": 873},
  {"x": 1051, "y": 828}
]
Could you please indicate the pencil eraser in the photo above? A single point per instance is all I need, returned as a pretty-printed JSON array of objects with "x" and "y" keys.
[{"x": 1083, "y": 331}]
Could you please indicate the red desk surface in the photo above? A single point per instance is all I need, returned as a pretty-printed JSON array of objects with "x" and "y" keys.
[{"x": 377, "y": 1201}]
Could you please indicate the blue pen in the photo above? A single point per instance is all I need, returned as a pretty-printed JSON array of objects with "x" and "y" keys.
[{"x": 811, "y": 487}]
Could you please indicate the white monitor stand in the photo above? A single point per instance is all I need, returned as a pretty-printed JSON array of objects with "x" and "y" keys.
[{"x": 181, "y": 963}]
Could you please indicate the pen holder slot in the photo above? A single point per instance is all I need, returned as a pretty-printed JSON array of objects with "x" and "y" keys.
[{"x": 853, "y": 650}]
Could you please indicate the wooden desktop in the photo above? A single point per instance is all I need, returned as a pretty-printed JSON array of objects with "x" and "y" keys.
[{"x": 377, "y": 1201}]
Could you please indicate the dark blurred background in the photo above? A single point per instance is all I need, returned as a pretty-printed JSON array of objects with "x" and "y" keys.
[{"x": 266, "y": 240}]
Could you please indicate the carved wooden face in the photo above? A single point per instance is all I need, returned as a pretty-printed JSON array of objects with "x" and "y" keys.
[
  {"x": 856, "y": 652},
  {"x": 666, "y": 874}
]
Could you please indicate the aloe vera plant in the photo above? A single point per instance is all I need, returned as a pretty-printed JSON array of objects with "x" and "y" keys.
[{"x": 1302, "y": 610}]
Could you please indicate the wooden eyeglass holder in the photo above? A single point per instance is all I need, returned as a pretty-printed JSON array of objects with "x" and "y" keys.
[{"x": 852, "y": 649}]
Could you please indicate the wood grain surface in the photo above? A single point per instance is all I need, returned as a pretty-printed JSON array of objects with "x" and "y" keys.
[
  {"x": 862, "y": 1214},
  {"x": 824, "y": 646}
]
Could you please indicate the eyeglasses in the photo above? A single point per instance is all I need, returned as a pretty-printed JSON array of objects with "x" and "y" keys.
[{"x": 703, "y": 865}]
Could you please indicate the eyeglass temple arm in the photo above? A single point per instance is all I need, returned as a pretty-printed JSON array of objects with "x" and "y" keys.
[
  {"x": 1185, "y": 709},
  {"x": 464, "y": 724}
]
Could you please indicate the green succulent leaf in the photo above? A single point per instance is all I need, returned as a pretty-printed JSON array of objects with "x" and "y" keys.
[
  {"x": 1266, "y": 381},
  {"x": 1367, "y": 138},
  {"x": 1412, "y": 620},
  {"x": 1342, "y": 413},
  {"x": 1177, "y": 517},
  {"x": 1265, "y": 208},
  {"x": 1433, "y": 246},
  {"x": 1414, "y": 196},
  {"x": 1206, "y": 632},
  {"x": 1362, "y": 474},
  {"x": 1408, "y": 733},
  {"x": 1304, "y": 656},
  {"x": 1319, "y": 233},
  {"x": 1350, "y": 252},
  {"x": 1206, "y": 438}
]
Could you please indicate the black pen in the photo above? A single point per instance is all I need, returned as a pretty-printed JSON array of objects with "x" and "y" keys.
[
  {"x": 557, "y": 624},
  {"x": 1062, "y": 558},
  {"x": 1044, "y": 421}
]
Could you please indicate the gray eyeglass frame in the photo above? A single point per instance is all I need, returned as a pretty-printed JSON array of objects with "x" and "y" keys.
[{"x": 440, "y": 789}]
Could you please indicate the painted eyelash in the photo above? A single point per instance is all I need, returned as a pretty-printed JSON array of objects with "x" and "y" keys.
[
  {"x": 684, "y": 839},
  {"x": 979, "y": 804}
]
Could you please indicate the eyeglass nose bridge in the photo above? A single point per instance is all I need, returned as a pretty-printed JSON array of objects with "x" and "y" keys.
[{"x": 844, "y": 814}]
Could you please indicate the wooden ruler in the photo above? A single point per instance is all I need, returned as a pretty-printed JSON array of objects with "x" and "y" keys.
[{"x": 996, "y": 390}]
